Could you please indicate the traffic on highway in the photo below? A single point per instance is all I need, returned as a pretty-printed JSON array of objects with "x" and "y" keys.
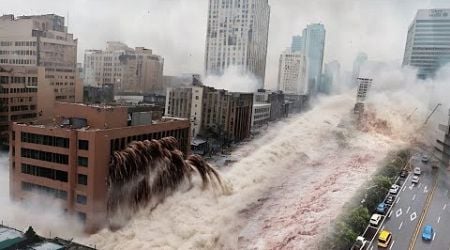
[{"x": 415, "y": 213}]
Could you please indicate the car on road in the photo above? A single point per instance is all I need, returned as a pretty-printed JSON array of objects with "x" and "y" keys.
[
  {"x": 381, "y": 208},
  {"x": 384, "y": 239},
  {"x": 390, "y": 199},
  {"x": 427, "y": 233},
  {"x": 415, "y": 179},
  {"x": 425, "y": 158},
  {"x": 394, "y": 189},
  {"x": 375, "y": 219},
  {"x": 403, "y": 173},
  {"x": 417, "y": 171}
]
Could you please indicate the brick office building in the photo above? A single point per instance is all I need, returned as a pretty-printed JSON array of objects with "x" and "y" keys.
[{"x": 67, "y": 157}]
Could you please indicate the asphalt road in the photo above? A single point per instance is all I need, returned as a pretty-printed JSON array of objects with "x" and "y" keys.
[{"x": 417, "y": 205}]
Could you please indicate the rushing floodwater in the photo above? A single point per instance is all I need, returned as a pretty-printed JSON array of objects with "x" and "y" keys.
[{"x": 289, "y": 185}]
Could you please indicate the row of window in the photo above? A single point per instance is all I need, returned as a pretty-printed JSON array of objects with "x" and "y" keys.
[
  {"x": 23, "y": 116},
  {"x": 18, "y": 52},
  {"x": 48, "y": 173},
  {"x": 18, "y": 79},
  {"x": 17, "y": 90},
  {"x": 18, "y": 61},
  {"x": 44, "y": 156},
  {"x": 60, "y": 194},
  {"x": 54, "y": 141},
  {"x": 18, "y": 43}
]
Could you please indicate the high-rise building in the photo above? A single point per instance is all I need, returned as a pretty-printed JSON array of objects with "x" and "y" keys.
[
  {"x": 68, "y": 156},
  {"x": 297, "y": 44},
  {"x": 42, "y": 41},
  {"x": 129, "y": 70},
  {"x": 428, "y": 41},
  {"x": 360, "y": 59},
  {"x": 314, "y": 46},
  {"x": 18, "y": 95},
  {"x": 237, "y": 36},
  {"x": 292, "y": 73},
  {"x": 330, "y": 77},
  {"x": 186, "y": 102}
]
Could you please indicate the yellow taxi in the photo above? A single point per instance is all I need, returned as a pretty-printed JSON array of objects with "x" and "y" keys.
[{"x": 384, "y": 238}]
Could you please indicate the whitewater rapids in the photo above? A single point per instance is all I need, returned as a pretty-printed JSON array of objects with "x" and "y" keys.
[{"x": 290, "y": 184}]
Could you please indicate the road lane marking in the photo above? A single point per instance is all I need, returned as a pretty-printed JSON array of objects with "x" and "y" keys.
[
  {"x": 382, "y": 228},
  {"x": 444, "y": 207},
  {"x": 390, "y": 213},
  {"x": 434, "y": 235},
  {"x": 407, "y": 210},
  {"x": 371, "y": 248},
  {"x": 413, "y": 216},
  {"x": 439, "y": 219},
  {"x": 401, "y": 224},
  {"x": 414, "y": 197},
  {"x": 397, "y": 200},
  {"x": 411, "y": 187},
  {"x": 398, "y": 212},
  {"x": 425, "y": 190},
  {"x": 412, "y": 241},
  {"x": 392, "y": 245},
  {"x": 404, "y": 187}
]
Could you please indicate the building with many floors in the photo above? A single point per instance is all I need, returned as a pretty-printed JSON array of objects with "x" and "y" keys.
[
  {"x": 43, "y": 41},
  {"x": 18, "y": 95},
  {"x": 428, "y": 41},
  {"x": 128, "y": 70},
  {"x": 292, "y": 72},
  {"x": 297, "y": 43},
  {"x": 237, "y": 36},
  {"x": 67, "y": 156},
  {"x": 186, "y": 102},
  {"x": 314, "y": 48}
]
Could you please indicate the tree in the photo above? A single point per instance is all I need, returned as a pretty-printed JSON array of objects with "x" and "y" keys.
[{"x": 357, "y": 220}]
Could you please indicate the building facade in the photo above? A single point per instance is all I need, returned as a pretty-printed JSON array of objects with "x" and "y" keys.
[
  {"x": 260, "y": 114},
  {"x": 428, "y": 41},
  {"x": 297, "y": 44},
  {"x": 442, "y": 145},
  {"x": 67, "y": 157},
  {"x": 18, "y": 96},
  {"x": 101, "y": 94},
  {"x": 186, "y": 103},
  {"x": 330, "y": 78},
  {"x": 237, "y": 36},
  {"x": 42, "y": 41},
  {"x": 314, "y": 47},
  {"x": 227, "y": 115},
  {"x": 128, "y": 70},
  {"x": 292, "y": 73}
]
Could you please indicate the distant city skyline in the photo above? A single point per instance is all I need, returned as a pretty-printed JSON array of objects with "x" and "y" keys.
[{"x": 165, "y": 25}]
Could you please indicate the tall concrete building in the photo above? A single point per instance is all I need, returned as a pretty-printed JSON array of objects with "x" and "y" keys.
[
  {"x": 186, "y": 102},
  {"x": 292, "y": 72},
  {"x": 314, "y": 47},
  {"x": 42, "y": 41},
  {"x": 237, "y": 36},
  {"x": 297, "y": 43},
  {"x": 68, "y": 156},
  {"x": 428, "y": 41},
  {"x": 129, "y": 70},
  {"x": 360, "y": 59},
  {"x": 330, "y": 77}
]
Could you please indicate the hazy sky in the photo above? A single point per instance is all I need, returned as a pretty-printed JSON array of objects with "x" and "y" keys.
[{"x": 176, "y": 29}]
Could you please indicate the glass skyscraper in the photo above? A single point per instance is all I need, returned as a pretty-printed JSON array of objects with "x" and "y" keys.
[
  {"x": 314, "y": 46},
  {"x": 428, "y": 41}
]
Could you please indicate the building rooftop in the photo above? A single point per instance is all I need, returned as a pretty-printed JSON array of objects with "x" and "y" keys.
[{"x": 11, "y": 238}]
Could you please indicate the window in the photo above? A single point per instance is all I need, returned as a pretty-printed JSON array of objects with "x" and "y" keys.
[
  {"x": 83, "y": 144},
  {"x": 82, "y": 179},
  {"x": 48, "y": 173},
  {"x": 82, "y": 161},
  {"x": 44, "y": 156},
  {"x": 81, "y": 199},
  {"x": 60, "y": 194}
]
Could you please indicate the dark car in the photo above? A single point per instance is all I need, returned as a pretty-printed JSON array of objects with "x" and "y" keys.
[
  {"x": 390, "y": 199},
  {"x": 403, "y": 174}
]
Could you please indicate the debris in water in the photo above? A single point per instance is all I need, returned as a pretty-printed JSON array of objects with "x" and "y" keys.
[{"x": 146, "y": 172}]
